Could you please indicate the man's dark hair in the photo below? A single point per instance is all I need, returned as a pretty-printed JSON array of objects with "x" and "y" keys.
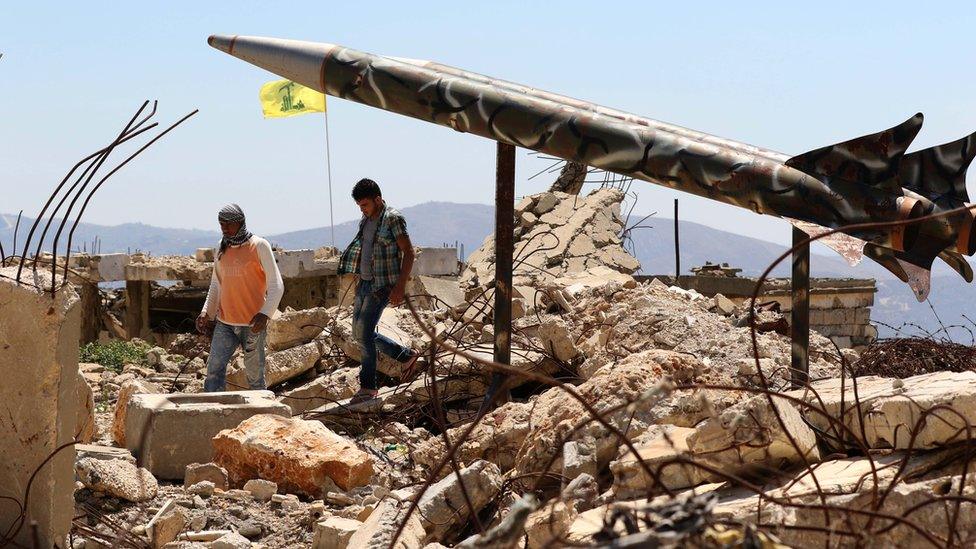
[{"x": 365, "y": 188}]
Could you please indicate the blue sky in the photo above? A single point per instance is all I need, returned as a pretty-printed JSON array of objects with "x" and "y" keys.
[{"x": 787, "y": 77}]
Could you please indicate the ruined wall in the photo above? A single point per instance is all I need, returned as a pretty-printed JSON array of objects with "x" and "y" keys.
[
  {"x": 38, "y": 405},
  {"x": 840, "y": 308}
]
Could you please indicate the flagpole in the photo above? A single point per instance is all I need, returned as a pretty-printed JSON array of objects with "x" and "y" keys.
[{"x": 328, "y": 163}]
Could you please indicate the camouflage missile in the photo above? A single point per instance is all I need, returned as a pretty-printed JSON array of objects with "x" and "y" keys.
[{"x": 867, "y": 179}]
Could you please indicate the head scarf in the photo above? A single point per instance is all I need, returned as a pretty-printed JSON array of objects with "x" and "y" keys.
[{"x": 232, "y": 213}]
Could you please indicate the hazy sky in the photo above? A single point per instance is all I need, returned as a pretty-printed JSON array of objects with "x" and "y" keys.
[{"x": 789, "y": 78}]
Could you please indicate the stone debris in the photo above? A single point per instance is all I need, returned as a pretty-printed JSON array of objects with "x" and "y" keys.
[
  {"x": 233, "y": 540},
  {"x": 895, "y": 413},
  {"x": 118, "y": 478},
  {"x": 378, "y": 530},
  {"x": 261, "y": 490},
  {"x": 156, "y": 425},
  {"x": 297, "y": 454},
  {"x": 329, "y": 388},
  {"x": 296, "y": 327},
  {"x": 750, "y": 434},
  {"x": 126, "y": 391},
  {"x": 560, "y": 234},
  {"x": 334, "y": 532},
  {"x": 686, "y": 434},
  {"x": 444, "y": 507},
  {"x": 279, "y": 366},
  {"x": 205, "y": 472}
]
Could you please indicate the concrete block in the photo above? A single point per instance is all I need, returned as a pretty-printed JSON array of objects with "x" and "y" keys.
[
  {"x": 295, "y": 263},
  {"x": 436, "y": 262},
  {"x": 108, "y": 267},
  {"x": 334, "y": 532},
  {"x": 167, "y": 432},
  {"x": 39, "y": 367}
]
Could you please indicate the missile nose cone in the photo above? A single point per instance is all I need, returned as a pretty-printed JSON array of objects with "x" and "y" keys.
[{"x": 222, "y": 42}]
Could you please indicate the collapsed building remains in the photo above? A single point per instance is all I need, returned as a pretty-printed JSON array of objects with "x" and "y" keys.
[{"x": 633, "y": 400}]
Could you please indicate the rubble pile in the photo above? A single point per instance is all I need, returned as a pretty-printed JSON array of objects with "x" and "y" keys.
[{"x": 641, "y": 413}]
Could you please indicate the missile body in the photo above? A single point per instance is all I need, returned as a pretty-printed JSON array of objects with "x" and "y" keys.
[{"x": 858, "y": 181}]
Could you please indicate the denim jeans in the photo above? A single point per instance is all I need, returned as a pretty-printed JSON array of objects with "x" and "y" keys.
[
  {"x": 366, "y": 312},
  {"x": 226, "y": 339}
]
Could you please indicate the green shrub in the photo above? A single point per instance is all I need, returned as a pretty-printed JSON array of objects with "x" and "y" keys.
[{"x": 114, "y": 354}]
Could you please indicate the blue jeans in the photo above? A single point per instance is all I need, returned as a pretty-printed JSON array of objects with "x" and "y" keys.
[
  {"x": 226, "y": 339},
  {"x": 366, "y": 312}
]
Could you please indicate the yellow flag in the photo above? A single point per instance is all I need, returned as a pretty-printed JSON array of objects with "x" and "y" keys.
[{"x": 285, "y": 98}]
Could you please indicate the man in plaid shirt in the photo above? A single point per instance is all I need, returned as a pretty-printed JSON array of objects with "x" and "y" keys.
[{"x": 382, "y": 256}]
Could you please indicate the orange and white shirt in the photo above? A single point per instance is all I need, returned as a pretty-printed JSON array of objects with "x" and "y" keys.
[{"x": 245, "y": 282}]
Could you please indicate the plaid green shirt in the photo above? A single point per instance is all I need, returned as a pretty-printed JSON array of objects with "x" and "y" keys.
[{"x": 386, "y": 253}]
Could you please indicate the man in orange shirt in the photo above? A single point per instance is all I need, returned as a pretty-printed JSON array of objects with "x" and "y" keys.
[{"x": 245, "y": 290}]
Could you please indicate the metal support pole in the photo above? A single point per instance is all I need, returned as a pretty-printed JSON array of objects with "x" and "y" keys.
[
  {"x": 800, "y": 313},
  {"x": 504, "y": 249},
  {"x": 677, "y": 246}
]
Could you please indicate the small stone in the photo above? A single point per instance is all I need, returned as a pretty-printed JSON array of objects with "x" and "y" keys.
[
  {"x": 278, "y": 498},
  {"x": 291, "y": 503},
  {"x": 317, "y": 508},
  {"x": 203, "y": 488},
  {"x": 334, "y": 533},
  {"x": 262, "y": 490},
  {"x": 369, "y": 500},
  {"x": 168, "y": 527},
  {"x": 232, "y": 540},
  {"x": 238, "y": 512},
  {"x": 337, "y": 498},
  {"x": 199, "y": 503},
  {"x": 250, "y": 530},
  {"x": 196, "y": 472}
]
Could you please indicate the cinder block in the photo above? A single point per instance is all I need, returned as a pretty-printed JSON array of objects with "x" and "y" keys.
[{"x": 168, "y": 432}]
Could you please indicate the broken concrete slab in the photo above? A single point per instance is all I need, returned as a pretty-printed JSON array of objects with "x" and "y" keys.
[
  {"x": 157, "y": 433},
  {"x": 279, "y": 366},
  {"x": 496, "y": 439},
  {"x": 556, "y": 413},
  {"x": 118, "y": 478},
  {"x": 748, "y": 436},
  {"x": 39, "y": 366},
  {"x": 892, "y": 409},
  {"x": 545, "y": 527},
  {"x": 658, "y": 448},
  {"x": 96, "y": 451},
  {"x": 601, "y": 277},
  {"x": 296, "y": 327},
  {"x": 431, "y": 293},
  {"x": 555, "y": 337},
  {"x": 378, "y": 530},
  {"x": 129, "y": 388},
  {"x": 300, "y": 456},
  {"x": 443, "y": 507},
  {"x": 326, "y": 389}
]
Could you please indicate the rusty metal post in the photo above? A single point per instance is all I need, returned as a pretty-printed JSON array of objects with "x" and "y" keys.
[
  {"x": 504, "y": 250},
  {"x": 677, "y": 247},
  {"x": 800, "y": 312}
]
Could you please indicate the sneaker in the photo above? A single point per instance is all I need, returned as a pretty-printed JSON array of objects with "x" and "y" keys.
[{"x": 363, "y": 395}]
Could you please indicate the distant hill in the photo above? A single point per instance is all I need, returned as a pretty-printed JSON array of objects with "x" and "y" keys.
[{"x": 437, "y": 223}]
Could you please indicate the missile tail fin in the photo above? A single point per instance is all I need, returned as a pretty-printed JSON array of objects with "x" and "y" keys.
[
  {"x": 870, "y": 159},
  {"x": 939, "y": 172},
  {"x": 914, "y": 270},
  {"x": 958, "y": 263}
]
